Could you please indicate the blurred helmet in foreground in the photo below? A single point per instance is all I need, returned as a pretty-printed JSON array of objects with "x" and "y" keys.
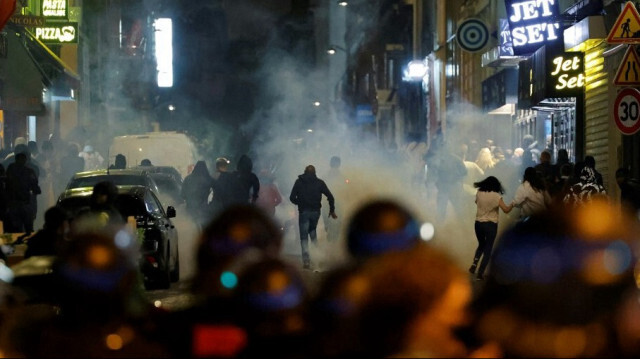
[
  {"x": 379, "y": 227},
  {"x": 271, "y": 298},
  {"x": 558, "y": 282},
  {"x": 234, "y": 231},
  {"x": 415, "y": 301}
]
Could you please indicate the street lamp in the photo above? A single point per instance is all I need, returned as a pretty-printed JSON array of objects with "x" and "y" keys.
[
  {"x": 343, "y": 3},
  {"x": 416, "y": 70},
  {"x": 333, "y": 49}
]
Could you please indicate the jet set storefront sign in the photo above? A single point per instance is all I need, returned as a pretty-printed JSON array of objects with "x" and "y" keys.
[
  {"x": 565, "y": 74},
  {"x": 66, "y": 33},
  {"x": 533, "y": 23}
]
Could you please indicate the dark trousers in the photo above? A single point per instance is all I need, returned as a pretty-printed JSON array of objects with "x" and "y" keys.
[
  {"x": 486, "y": 234},
  {"x": 19, "y": 218},
  {"x": 307, "y": 221}
]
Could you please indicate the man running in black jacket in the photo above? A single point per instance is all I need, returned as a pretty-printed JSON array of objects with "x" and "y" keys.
[{"x": 307, "y": 195}]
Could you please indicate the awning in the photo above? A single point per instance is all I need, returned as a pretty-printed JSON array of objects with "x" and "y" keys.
[
  {"x": 61, "y": 80},
  {"x": 500, "y": 92}
]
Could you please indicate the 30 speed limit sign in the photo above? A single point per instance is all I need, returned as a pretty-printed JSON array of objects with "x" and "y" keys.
[{"x": 626, "y": 111}]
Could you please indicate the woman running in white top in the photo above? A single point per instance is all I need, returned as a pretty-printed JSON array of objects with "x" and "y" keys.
[{"x": 488, "y": 200}]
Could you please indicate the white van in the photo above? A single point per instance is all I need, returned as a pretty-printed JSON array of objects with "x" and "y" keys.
[{"x": 163, "y": 148}]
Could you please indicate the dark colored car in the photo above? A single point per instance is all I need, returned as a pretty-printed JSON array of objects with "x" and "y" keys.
[
  {"x": 160, "y": 260},
  {"x": 167, "y": 170},
  {"x": 169, "y": 188},
  {"x": 82, "y": 181}
]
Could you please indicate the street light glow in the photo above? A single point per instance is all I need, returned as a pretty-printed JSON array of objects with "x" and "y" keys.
[
  {"x": 316, "y": 104},
  {"x": 343, "y": 3},
  {"x": 164, "y": 51},
  {"x": 416, "y": 70},
  {"x": 334, "y": 48}
]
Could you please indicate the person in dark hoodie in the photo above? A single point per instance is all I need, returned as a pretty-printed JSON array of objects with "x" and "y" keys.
[
  {"x": 307, "y": 194},
  {"x": 239, "y": 187},
  {"x": 195, "y": 192},
  {"x": 120, "y": 162}
]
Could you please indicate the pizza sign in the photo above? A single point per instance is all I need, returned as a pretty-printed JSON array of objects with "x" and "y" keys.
[{"x": 58, "y": 34}]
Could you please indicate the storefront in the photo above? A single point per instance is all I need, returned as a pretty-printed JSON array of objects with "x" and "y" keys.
[
  {"x": 601, "y": 142},
  {"x": 551, "y": 100},
  {"x": 500, "y": 91},
  {"x": 38, "y": 90},
  {"x": 34, "y": 83},
  {"x": 551, "y": 80}
]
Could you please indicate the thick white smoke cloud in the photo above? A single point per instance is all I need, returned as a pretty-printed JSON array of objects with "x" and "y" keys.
[
  {"x": 280, "y": 125},
  {"x": 373, "y": 173}
]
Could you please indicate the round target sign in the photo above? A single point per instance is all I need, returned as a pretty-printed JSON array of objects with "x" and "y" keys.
[
  {"x": 626, "y": 111},
  {"x": 472, "y": 35}
]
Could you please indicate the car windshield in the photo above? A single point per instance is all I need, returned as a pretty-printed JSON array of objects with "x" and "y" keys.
[
  {"x": 74, "y": 204},
  {"x": 120, "y": 180},
  {"x": 167, "y": 184},
  {"x": 127, "y": 205},
  {"x": 130, "y": 206}
]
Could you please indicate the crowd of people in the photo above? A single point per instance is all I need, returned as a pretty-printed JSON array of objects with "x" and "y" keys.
[
  {"x": 524, "y": 179},
  {"x": 32, "y": 174},
  {"x": 560, "y": 282}
]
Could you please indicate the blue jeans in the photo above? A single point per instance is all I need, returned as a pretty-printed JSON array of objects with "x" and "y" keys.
[
  {"x": 486, "y": 233},
  {"x": 307, "y": 221}
]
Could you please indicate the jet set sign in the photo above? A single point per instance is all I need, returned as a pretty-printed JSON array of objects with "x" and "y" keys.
[
  {"x": 533, "y": 23},
  {"x": 66, "y": 33},
  {"x": 565, "y": 76}
]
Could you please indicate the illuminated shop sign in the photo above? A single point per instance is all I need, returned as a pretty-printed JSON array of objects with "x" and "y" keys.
[
  {"x": 55, "y": 9},
  {"x": 550, "y": 73},
  {"x": 533, "y": 23},
  {"x": 565, "y": 74},
  {"x": 506, "y": 43},
  {"x": 66, "y": 33}
]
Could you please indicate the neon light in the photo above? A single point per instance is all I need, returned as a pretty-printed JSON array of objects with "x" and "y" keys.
[
  {"x": 54, "y": 8},
  {"x": 530, "y": 10},
  {"x": 164, "y": 51},
  {"x": 534, "y": 34},
  {"x": 565, "y": 71},
  {"x": 533, "y": 23},
  {"x": 57, "y": 34}
]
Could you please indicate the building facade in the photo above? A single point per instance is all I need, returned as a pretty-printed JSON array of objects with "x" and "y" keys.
[
  {"x": 39, "y": 71},
  {"x": 576, "y": 116}
]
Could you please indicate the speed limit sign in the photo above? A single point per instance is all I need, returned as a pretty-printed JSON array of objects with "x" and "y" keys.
[{"x": 626, "y": 111}]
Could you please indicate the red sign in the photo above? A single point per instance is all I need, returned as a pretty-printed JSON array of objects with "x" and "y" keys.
[
  {"x": 626, "y": 111},
  {"x": 7, "y": 8}
]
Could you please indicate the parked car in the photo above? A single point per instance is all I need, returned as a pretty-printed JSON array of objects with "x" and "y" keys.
[
  {"x": 169, "y": 188},
  {"x": 169, "y": 182},
  {"x": 82, "y": 181},
  {"x": 158, "y": 237},
  {"x": 168, "y": 170}
]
